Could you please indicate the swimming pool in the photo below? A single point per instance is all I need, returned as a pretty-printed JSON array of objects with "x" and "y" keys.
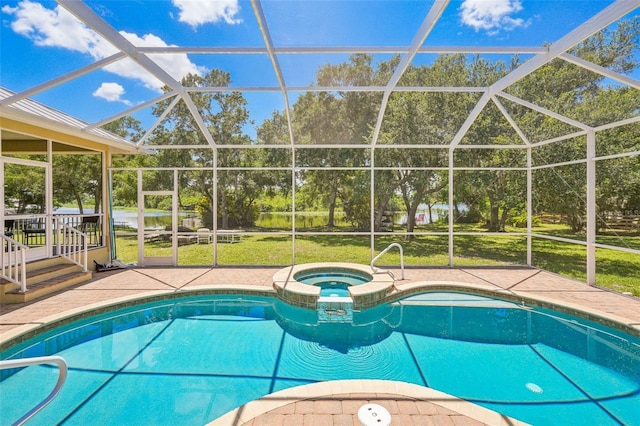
[{"x": 192, "y": 359}]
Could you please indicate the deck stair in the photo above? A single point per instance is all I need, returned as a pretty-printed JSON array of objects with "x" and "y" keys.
[{"x": 43, "y": 277}]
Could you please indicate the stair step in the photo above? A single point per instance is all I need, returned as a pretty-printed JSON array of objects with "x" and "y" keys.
[
  {"x": 44, "y": 263},
  {"x": 44, "y": 274},
  {"x": 47, "y": 286},
  {"x": 35, "y": 276}
]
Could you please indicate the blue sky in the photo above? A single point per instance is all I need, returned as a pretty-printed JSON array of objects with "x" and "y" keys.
[{"x": 40, "y": 41}]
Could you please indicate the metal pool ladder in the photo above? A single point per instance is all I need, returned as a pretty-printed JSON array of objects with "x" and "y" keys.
[
  {"x": 376, "y": 270},
  {"x": 25, "y": 362}
]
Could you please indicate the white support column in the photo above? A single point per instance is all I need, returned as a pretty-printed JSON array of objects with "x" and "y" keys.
[
  {"x": 214, "y": 208},
  {"x": 140, "y": 218},
  {"x": 48, "y": 199},
  {"x": 372, "y": 202},
  {"x": 529, "y": 206},
  {"x": 2, "y": 188},
  {"x": 109, "y": 222},
  {"x": 451, "y": 206},
  {"x": 293, "y": 204},
  {"x": 174, "y": 219},
  {"x": 591, "y": 207},
  {"x": 106, "y": 213}
]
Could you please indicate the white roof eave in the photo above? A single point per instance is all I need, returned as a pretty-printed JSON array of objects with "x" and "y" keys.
[{"x": 119, "y": 144}]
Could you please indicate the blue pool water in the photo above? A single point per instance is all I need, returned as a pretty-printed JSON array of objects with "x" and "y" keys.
[
  {"x": 334, "y": 289},
  {"x": 332, "y": 282},
  {"x": 190, "y": 360}
]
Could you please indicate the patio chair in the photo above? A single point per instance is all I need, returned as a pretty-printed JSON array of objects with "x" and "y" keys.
[
  {"x": 204, "y": 235},
  {"x": 89, "y": 225},
  {"x": 182, "y": 239},
  {"x": 8, "y": 231},
  {"x": 8, "y": 227},
  {"x": 35, "y": 232}
]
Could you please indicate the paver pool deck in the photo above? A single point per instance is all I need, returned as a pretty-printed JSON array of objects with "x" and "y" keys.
[{"x": 333, "y": 403}]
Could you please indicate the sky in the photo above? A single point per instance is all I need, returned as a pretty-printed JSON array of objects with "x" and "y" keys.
[{"x": 41, "y": 41}]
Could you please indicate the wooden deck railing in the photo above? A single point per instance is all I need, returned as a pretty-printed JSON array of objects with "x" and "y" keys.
[
  {"x": 13, "y": 262},
  {"x": 72, "y": 245}
]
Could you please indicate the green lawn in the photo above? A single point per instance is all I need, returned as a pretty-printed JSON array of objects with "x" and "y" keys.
[{"x": 616, "y": 270}]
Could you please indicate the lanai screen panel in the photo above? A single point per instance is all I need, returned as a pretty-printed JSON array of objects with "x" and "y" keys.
[
  {"x": 124, "y": 57},
  {"x": 410, "y": 104}
]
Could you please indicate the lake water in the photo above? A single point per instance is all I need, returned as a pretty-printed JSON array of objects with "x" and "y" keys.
[{"x": 129, "y": 219}]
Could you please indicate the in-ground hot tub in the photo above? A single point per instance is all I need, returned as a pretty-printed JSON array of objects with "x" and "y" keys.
[
  {"x": 302, "y": 285},
  {"x": 333, "y": 282}
]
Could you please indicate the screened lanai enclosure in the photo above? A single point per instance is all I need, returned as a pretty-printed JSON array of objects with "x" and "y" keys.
[{"x": 284, "y": 132}]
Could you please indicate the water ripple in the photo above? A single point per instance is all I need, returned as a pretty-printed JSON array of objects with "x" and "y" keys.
[{"x": 315, "y": 361}]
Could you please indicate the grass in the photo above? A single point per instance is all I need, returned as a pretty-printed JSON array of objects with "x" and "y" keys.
[{"x": 616, "y": 270}]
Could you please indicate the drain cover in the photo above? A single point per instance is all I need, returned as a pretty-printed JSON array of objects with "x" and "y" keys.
[
  {"x": 534, "y": 388},
  {"x": 374, "y": 415}
]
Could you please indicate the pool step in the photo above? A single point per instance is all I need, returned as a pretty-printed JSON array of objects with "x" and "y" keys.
[{"x": 43, "y": 278}]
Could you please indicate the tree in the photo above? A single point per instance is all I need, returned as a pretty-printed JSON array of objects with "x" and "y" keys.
[
  {"x": 124, "y": 183},
  {"x": 423, "y": 118},
  {"x": 320, "y": 119},
  {"x": 584, "y": 96},
  {"x": 224, "y": 114},
  {"x": 126, "y": 127},
  {"x": 338, "y": 118},
  {"x": 618, "y": 187},
  {"x": 77, "y": 177},
  {"x": 24, "y": 188}
]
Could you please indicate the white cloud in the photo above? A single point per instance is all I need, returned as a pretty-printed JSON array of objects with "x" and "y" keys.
[
  {"x": 58, "y": 28},
  {"x": 177, "y": 65},
  {"x": 199, "y": 12},
  {"x": 111, "y": 92},
  {"x": 492, "y": 15}
]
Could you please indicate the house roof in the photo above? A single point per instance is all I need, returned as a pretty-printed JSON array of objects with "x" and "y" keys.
[{"x": 31, "y": 112}]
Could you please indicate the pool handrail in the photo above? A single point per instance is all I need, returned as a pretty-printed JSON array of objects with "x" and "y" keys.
[
  {"x": 26, "y": 362},
  {"x": 390, "y": 246}
]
